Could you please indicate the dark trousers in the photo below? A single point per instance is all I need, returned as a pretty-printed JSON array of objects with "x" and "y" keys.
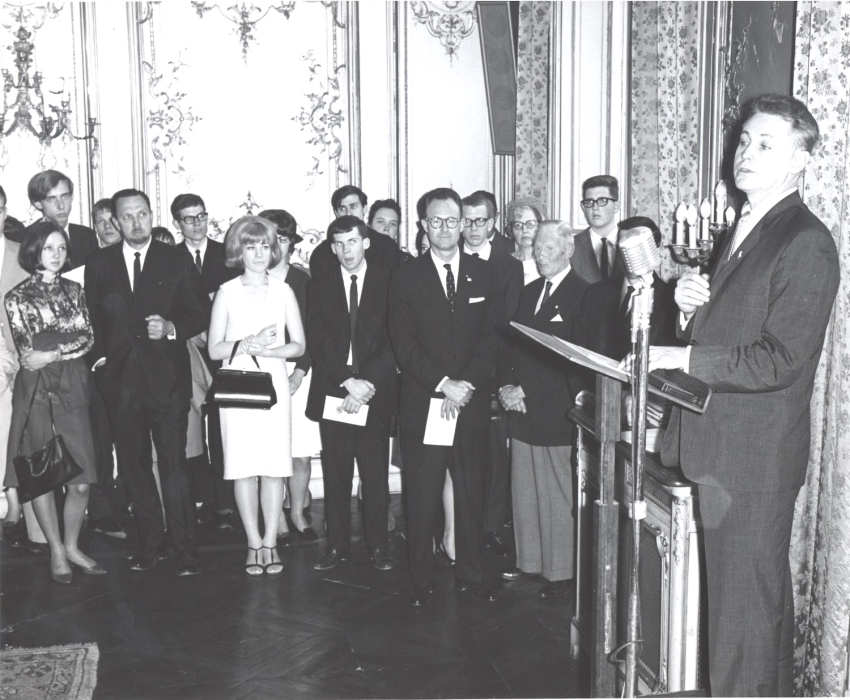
[
  {"x": 107, "y": 498},
  {"x": 496, "y": 470},
  {"x": 208, "y": 469},
  {"x": 424, "y": 475},
  {"x": 341, "y": 445},
  {"x": 750, "y": 602},
  {"x": 137, "y": 416}
]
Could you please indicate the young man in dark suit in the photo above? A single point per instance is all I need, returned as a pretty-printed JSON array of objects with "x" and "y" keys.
[
  {"x": 479, "y": 220},
  {"x": 755, "y": 332},
  {"x": 145, "y": 301},
  {"x": 383, "y": 251},
  {"x": 604, "y": 322},
  {"x": 446, "y": 310},
  {"x": 595, "y": 256},
  {"x": 500, "y": 241},
  {"x": 538, "y": 388},
  {"x": 352, "y": 361},
  {"x": 52, "y": 193},
  {"x": 214, "y": 493}
]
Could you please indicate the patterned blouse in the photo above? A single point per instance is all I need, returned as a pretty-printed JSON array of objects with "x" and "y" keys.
[{"x": 38, "y": 306}]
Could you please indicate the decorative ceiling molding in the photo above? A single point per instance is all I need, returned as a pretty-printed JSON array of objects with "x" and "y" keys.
[
  {"x": 168, "y": 116},
  {"x": 244, "y": 17},
  {"x": 32, "y": 17},
  {"x": 450, "y": 21}
]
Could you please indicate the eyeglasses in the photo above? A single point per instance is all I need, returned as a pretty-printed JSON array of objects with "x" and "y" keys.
[
  {"x": 600, "y": 202},
  {"x": 192, "y": 220},
  {"x": 437, "y": 222},
  {"x": 478, "y": 222},
  {"x": 519, "y": 225},
  {"x": 64, "y": 198}
]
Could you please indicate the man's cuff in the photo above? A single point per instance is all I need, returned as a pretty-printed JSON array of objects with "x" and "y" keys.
[
  {"x": 440, "y": 385},
  {"x": 173, "y": 334},
  {"x": 687, "y": 358},
  {"x": 684, "y": 319},
  {"x": 100, "y": 362}
]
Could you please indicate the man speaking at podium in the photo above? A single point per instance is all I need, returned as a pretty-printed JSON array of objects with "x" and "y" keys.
[{"x": 755, "y": 333}]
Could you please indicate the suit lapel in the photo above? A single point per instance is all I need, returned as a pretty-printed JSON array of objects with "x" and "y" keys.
[{"x": 340, "y": 304}]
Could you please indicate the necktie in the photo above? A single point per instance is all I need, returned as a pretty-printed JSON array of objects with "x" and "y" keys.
[
  {"x": 745, "y": 217},
  {"x": 137, "y": 270},
  {"x": 546, "y": 292},
  {"x": 451, "y": 292},
  {"x": 198, "y": 262},
  {"x": 624, "y": 307},
  {"x": 603, "y": 259},
  {"x": 475, "y": 255},
  {"x": 352, "y": 313}
]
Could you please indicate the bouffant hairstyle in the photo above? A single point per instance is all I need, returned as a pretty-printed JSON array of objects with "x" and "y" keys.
[{"x": 250, "y": 229}]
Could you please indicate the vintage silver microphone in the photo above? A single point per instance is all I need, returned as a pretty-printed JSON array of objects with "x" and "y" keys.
[{"x": 641, "y": 257}]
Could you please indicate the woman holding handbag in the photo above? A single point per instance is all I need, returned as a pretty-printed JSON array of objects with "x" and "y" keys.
[
  {"x": 50, "y": 325},
  {"x": 251, "y": 316}
]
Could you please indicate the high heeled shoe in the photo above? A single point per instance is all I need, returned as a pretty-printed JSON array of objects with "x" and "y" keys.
[
  {"x": 268, "y": 567},
  {"x": 96, "y": 570},
  {"x": 255, "y": 569},
  {"x": 64, "y": 579}
]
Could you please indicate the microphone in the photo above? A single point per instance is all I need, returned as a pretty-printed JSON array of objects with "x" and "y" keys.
[{"x": 640, "y": 254}]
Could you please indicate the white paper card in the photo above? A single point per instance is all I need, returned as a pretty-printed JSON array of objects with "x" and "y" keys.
[
  {"x": 438, "y": 430},
  {"x": 333, "y": 411}
]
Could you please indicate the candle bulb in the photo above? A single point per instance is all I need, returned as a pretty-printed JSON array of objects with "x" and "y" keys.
[
  {"x": 719, "y": 201},
  {"x": 679, "y": 232},
  {"x": 704, "y": 215},
  {"x": 691, "y": 218},
  {"x": 730, "y": 216}
]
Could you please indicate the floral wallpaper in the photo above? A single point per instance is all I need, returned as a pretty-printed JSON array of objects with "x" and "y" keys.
[
  {"x": 532, "y": 119},
  {"x": 665, "y": 120},
  {"x": 820, "y": 546}
]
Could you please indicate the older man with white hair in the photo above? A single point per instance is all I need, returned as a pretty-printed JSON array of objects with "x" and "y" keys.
[{"x": 537, "y": 389}]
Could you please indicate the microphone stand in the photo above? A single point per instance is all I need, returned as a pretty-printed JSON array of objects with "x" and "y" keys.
[{"x": 641, "y": 311}]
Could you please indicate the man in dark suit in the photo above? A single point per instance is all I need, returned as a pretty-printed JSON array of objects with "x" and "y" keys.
[
  {"x": 52, "y": 193},
  {"x": 604, "y": 322},
  {"x": 213, "y": 492},
  {"x": 383, "y": 251},
  {"x": 500, "y": 241},
  {"x": 538, "y": 388},
  {"x": 352, "y": 361},
  {"x": 595, "y": 256},
  {"x": 101, "y": 216},
  {"x": 479, "y": 220},
  {"x": 145, "y": 301},
  {"x": 445, "y": 312},
  {"x": 756, "y": 332}
]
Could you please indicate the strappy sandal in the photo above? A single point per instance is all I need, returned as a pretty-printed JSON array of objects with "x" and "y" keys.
[
  {"x": 268, "y": 567},
  {"x": 255, "y": 569}
]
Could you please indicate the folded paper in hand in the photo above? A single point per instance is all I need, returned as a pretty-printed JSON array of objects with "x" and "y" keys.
[
  {"x": 333, "y": 411},
  {"x": 439, "y": 430}
]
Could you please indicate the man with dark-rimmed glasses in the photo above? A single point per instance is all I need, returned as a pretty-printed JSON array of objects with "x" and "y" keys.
[{"x": 595, "y": 256}]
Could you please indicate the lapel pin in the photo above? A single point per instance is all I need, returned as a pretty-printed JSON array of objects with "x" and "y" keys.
[
  {"x": 740, "y": 254},
  {"x": 468, "y": 278}
]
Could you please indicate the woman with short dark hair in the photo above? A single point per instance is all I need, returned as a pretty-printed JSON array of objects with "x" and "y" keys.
[{"x": 50, "y": 325}]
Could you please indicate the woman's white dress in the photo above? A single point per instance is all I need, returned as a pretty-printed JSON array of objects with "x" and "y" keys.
[
  {"x": 257, "y": 442},
  {"x": 306, "y": 439}
]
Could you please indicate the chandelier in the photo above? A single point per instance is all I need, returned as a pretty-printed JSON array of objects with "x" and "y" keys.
[{"x": 28, "y": 111}]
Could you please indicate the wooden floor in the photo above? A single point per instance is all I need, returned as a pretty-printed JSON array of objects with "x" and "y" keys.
[{"x": 345, "y": 633}]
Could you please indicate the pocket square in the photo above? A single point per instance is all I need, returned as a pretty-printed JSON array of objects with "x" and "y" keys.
[
  {"x": 475, "y": 300},
  {"x": 557, "y": 319}
]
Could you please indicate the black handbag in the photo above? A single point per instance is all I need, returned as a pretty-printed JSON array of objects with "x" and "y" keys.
[
  {"x": 48, "y": 468},
  {"x": 237, "y": 388}
]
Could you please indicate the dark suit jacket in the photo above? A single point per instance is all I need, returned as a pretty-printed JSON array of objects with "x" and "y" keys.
[
  {"x": 214, "y": 272},
  {"x": 584, "y": 259},
  {"x": 329, "y": 340},
  {"x": 510, "y": 275},
  {"x": 431, "y": 342},
  {"x": 503, "y": 242},
  {"x": 757, "y": 343},
  {"x": 298, "y": 278},
  {"x": 83, "y": 243},
  {"x": 601, "y": 328},
  {"x": 171, "y": 287},
  {"x": 550, "y": 382},
  {"x": 383, "y": 252}
]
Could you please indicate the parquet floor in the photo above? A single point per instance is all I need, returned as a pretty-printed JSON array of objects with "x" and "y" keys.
[{"x": 344, "y": 633}]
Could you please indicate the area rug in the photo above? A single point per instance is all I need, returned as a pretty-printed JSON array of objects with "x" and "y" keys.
[{"x": 52, "y": 673}]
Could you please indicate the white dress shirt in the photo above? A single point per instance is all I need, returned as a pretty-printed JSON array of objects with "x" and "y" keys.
[
  {"x": 485, "y": 251},
  {"x": 556, "y": 280},
  {"x": 611, "y": 238},
  {"x": 130, "y": 258},
  {"x": 346, "y": 282},
  {"x": 455, "y": 267},
  {"x": 201, "y": 248}
]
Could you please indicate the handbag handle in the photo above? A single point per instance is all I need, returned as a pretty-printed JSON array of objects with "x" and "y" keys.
[
  {"x": 236, "y": 347},
  {"x": 29, "y": 411}
]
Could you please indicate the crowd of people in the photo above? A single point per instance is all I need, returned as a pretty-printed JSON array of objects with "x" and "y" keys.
[{"x": 373, "y": 343}]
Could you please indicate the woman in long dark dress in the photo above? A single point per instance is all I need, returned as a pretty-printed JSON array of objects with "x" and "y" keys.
[{"x": 50, "y": 325}]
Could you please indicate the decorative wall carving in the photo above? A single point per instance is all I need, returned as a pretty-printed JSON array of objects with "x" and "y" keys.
[
  {"x": 323, "y": 116},
  {"x": 451, "y": 21},
  {"x": 168, "y": 116},
  {"x": 734, "y": 85},
  {"x": 245, "y": 17},
  {"x": 32, "y": 17}
]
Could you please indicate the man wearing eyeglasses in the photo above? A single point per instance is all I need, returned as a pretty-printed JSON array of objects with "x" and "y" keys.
[
  {"x": 213, "y": 492},
  {"x": 500, "y": 241},
  {"x": 479, "y": 221},
  {"x": 52, "y": 193},
  {"x": 445, "y": 312},
  {"x": 595, "y": 256}
]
